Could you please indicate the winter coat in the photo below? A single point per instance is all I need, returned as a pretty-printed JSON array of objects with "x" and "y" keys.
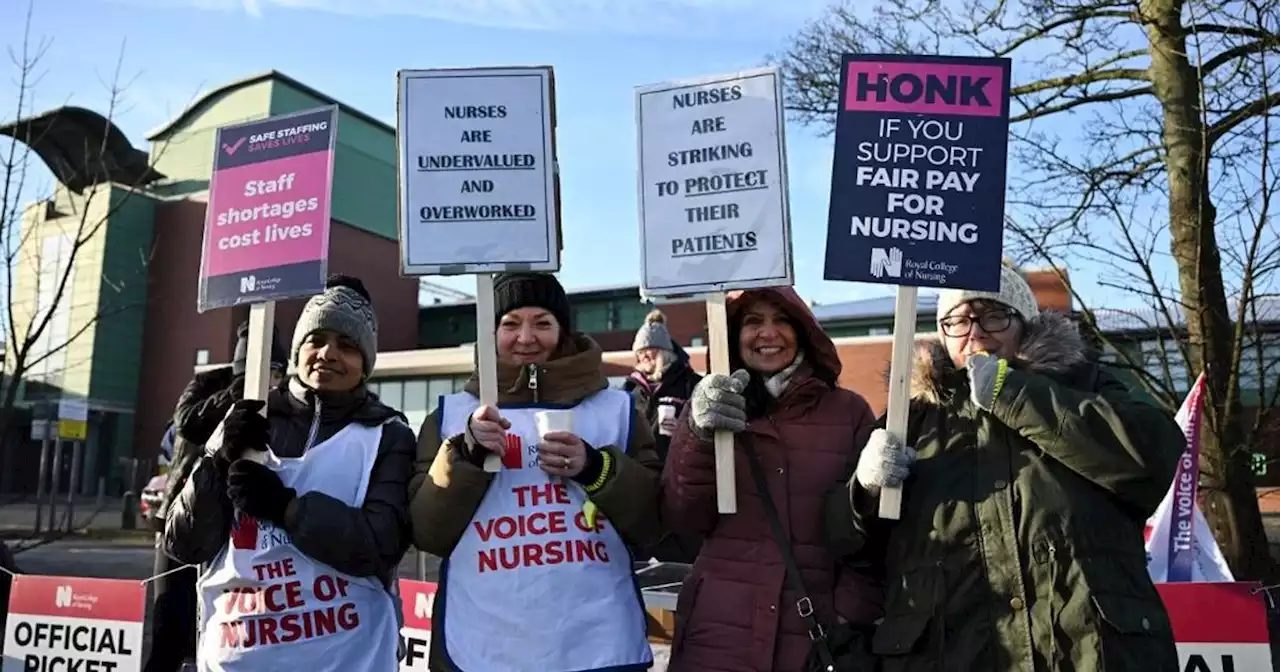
[
  {"x": 368, "y": 541},
  {"x": 203, "y": 404},
  {"x": 735, "y": 612},
  {"x": 674, "y": 389},
  {"x": 1020, "y": 540},
  {"x": 449, "y": 483}
]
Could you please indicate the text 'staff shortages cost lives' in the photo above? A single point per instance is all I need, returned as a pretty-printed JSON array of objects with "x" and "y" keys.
[
  {"x": 266, "y": 232},
  {"x": 918, "y": 179}
]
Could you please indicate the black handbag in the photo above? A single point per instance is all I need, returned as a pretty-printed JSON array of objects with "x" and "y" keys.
[{"x": 840, "y": 648}]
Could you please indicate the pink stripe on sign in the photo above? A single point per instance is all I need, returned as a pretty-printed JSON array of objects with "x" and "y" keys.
[
  {"x": 417, "y": 598},
  {"x": 1209, "y": 613},
  {"x": 925, "y": 88},
  {"x": 76, "y": 597}
]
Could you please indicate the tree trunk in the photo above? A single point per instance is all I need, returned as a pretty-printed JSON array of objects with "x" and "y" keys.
[
  {"x": 1228, "y": 496},
  {"x": 8, "y": 403}
]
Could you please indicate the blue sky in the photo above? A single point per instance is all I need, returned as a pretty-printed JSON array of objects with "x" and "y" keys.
[{"x": 351, "y": 49}]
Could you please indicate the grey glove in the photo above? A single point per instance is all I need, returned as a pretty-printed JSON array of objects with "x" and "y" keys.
[
  {"x": 884, "y": 462},
  {"x": 717, "y": 403}
]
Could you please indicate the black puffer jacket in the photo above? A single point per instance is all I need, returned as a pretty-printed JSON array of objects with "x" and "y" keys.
[
  {"x": 201, "y": 407},
  {"x": 365, "y": 541}
]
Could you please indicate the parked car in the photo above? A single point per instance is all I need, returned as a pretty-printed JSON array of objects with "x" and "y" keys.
[{"x": 149, "y": 502}]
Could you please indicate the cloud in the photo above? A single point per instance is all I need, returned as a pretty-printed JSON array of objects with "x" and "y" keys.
[{"x": 665, "y": 17}]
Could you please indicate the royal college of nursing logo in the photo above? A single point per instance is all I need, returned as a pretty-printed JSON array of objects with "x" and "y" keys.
[
  {"x": 886, "y": 262},
  {"x": 244, "y": 532},
  {"x": 423, "y": 604},
  {"x": 63, "y": 597}
]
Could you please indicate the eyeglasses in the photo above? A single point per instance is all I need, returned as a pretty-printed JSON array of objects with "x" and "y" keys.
[{"x": 993, "y": 322}]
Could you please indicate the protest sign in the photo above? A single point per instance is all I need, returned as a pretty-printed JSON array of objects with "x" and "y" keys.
[
  {"x": 477, "y": 171},
  {"x": 1218, "y": 627},
  {"x": 1180, "y": 545},
  {"x": 714, "y": 212},
  {"x": 917, "y": 190},
  {"x": 712, "y": 185},
  {"x": 918, "y": 176},
  {"x": 417, "y": 598},
  {"x": 266, "y": 232},
  {"x": 478, "y": 187},
  {"x": 65, "y": 623}
]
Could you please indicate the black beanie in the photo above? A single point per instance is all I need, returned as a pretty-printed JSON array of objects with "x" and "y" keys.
[
  {"x": 541, "y": 290},
  {"x": 240, "y": 361}
]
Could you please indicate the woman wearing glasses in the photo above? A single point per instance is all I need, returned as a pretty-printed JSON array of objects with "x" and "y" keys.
[{"x": 1030, "y": 474}]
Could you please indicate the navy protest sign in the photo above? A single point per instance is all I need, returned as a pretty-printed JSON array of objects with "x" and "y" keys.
[{"x": 918, "y": 177}]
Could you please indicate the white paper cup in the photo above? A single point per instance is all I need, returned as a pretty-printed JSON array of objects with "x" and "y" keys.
[
  {"x": 553, "y": 421},
  {"x": 666, "y": 419}
]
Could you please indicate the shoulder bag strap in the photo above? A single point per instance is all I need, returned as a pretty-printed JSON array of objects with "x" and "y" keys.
[{"x": 804, "y": 606}]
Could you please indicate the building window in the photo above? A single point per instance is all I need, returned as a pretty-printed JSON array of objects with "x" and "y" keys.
[{"x": 202, "y": 357}]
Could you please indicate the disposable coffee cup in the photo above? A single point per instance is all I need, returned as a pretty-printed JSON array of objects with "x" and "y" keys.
[
  {"x": 666, "y": 416},
  {"x": 553, "y": 421}
]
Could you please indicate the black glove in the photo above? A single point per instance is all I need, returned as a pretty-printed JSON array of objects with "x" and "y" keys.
[
  {"x": 258, "y": 491},
  {"x": 243, "y": 429}
]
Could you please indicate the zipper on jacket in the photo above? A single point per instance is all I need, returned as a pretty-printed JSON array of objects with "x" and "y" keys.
[
  {"x": 533, "y": 381},
  {"x": 315, "y": 427}
]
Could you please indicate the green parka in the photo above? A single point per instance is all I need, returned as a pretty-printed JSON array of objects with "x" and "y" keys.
[{"x": 1020, "y": 544}]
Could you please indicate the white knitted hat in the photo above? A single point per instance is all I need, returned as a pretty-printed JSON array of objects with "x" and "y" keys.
[{"x": 1014, "y": 293}]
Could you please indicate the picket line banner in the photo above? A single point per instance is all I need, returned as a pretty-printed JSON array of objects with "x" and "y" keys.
[
  {"x": 59, "y": 623},
  {"x": 1219, "y": 627},
  {"x": 417, "y": 599},
  {"x": 712, "y": 181},
  {"x": 477, "y": 171},
  {"x": 918, "y": 173}
]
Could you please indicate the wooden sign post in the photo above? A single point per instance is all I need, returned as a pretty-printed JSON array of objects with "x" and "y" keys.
[
  {"x": 714, "y": 213},
  {"x": 917, "y": 191},
  {"x": 478, "y": 188}
]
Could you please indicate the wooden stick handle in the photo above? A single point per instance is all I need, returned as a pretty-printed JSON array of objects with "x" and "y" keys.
[
  {"x": 718, "y": 354},
  {"x": 904, "y": 342},
  {"x": 487, "y": 355}
]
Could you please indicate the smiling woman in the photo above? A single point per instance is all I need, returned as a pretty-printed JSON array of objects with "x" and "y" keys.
[
  {"x": 577, "y": 487},
  {"x": 309, "y": 497}
]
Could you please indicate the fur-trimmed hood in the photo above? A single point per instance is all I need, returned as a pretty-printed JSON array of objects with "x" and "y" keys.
[{"x": 1051, "y": 344}]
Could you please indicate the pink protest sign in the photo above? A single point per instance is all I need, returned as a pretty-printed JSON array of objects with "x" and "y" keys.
[{"x": 266, "y": 234}]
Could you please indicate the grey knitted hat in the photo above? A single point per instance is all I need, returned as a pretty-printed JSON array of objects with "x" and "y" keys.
[
  {"x": 653, "y": 333},
  {"x": 1014, "y": 293},
  {"x": 344, "y": 307}
]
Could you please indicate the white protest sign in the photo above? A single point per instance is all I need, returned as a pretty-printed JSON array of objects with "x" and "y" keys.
[
  {"x": 63, "y": 623},
  {"x": 714, "y": 214},
  {"x": 477, "y": 171}
]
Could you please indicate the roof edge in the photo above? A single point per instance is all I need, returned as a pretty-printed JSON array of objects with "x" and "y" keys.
[{"x": 254, "y": 79}]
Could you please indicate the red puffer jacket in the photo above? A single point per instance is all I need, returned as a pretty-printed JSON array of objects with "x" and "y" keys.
[{"x": 735, "y": 613}]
